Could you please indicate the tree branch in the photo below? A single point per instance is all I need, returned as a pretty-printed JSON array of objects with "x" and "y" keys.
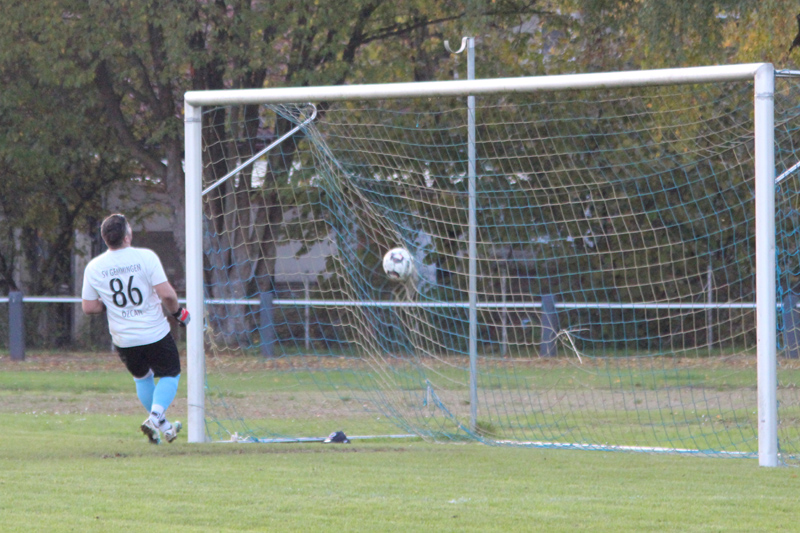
[{"x": 111, "y": 103}]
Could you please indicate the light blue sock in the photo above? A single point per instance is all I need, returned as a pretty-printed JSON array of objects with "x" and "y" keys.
[
  {"x": 144, "y": 390},
  {"x": 164, "y": 393}
]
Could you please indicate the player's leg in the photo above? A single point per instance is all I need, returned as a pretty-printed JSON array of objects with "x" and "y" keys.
[
  {"x": 165, "y": 392},
  {"x": 135, "y": 361},
  {"x": 144, "y": 389},
  {"x": 166, "y": 365}
]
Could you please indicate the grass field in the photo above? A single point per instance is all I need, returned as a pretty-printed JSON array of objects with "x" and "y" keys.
[{"x": 72, "y": 459}]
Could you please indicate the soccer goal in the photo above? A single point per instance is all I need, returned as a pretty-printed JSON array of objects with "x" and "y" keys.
[{"x": 595, "y": 262}]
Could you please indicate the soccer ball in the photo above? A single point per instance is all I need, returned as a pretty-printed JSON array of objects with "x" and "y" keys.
[{"x": 397, "y": 264}]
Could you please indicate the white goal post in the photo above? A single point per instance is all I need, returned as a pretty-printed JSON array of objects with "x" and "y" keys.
[{"x": 762, "y": 74}]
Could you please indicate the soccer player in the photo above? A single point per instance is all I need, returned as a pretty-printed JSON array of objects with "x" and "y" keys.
[{"x": 130, "y": 285}]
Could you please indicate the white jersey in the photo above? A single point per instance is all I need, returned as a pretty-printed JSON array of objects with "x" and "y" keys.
[{"x": 124, "y": 280}]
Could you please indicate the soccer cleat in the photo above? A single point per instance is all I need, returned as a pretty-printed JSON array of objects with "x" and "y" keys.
[
  {"x": 149, "y": 428},
  {"x": 171, "y": 430}
]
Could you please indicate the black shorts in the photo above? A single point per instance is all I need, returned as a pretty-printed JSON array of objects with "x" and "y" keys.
[{"x": 162, "y": 357}]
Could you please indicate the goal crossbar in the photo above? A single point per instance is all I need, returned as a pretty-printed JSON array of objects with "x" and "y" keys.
[{"x": 283, "y": 95}]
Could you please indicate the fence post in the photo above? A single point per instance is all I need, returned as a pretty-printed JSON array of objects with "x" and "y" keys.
[
  {"x": 16, "y": 326},
  {"x": 266, "y": 325},
  {"x": 790, "y": 326},
  {"x": 549, "y": 346},
  {"x": 503, "y": 315},
  {"x": 307, "y": 313}
]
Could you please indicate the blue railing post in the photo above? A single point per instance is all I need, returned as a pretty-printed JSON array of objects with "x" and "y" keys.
[
  {"x": 16, "y": 326},
  {"x": 549, "y": 346},
  {"x": 266, "y": 325},
  {"x": 791, "y": 325}
]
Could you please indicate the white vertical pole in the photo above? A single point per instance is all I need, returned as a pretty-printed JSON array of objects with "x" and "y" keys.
[
  {"x": 472, "y": 252},
  {"x": 766, "y": 302},
  {"x": 195, "y": 356},
  {"x": 473, "y": 245}
]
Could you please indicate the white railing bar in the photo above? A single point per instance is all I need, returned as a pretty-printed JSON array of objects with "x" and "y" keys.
[
  {"x": 56, "y": 299},
  {"x": 488, "y": 305},
  {"x": 382, "y": 303}
]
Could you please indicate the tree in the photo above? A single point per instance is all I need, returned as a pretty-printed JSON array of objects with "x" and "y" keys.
[
  {"x": 133, "y": 61},
  {"x": 136, "y": 59},
  {"x": 54, "y": 172},
  {"x": 625, "y": 35}
]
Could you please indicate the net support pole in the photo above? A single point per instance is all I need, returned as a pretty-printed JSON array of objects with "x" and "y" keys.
[
  {"x": 766, "y": 300},
  {"x": 473, "y": 243},
  {"x": 468, "y": 43},
  {"x": 195, "y": 355}
]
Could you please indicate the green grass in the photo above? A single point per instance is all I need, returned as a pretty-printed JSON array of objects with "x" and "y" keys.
[
  {"x": 94, "y": 473},
  {"x": 685, "y": 427},
  {"x": 522, "y": 379},
  {"x": 518, "y": 379},
  {"x": 602, "y": 375},
  {"x": 69, "y": 382}
]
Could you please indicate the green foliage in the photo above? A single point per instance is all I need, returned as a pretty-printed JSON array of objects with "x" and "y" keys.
[
  {"x": 57, "y": 160},
  {"x": 604, "y": 35},
  {"x": 92, "y": 95},
  {"x": 92, "y": 91},
  {"x": 655, "y": 170}
]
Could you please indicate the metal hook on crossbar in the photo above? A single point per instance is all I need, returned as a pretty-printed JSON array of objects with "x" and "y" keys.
[
  {"x": 275, "y": 143},
  {"x": 463, "y": 46}
]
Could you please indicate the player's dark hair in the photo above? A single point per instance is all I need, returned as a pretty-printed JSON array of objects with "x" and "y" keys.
[{"x": 113, "y": 230}]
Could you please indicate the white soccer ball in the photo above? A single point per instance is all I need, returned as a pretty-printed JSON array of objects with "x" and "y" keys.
[{"x": 397, "y": 264}]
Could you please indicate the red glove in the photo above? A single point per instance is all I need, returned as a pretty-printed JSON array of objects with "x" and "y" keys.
[{"x": 182, "y": 316}]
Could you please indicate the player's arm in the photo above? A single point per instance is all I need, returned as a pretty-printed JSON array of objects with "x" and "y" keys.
[
  {"x": 169, "y": 299},
  {"x": 90, "y": 299},
  {"x": 92, "y": 307}
]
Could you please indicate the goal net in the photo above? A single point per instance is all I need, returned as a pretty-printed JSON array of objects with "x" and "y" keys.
[{"x": 586, "y": 262}]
